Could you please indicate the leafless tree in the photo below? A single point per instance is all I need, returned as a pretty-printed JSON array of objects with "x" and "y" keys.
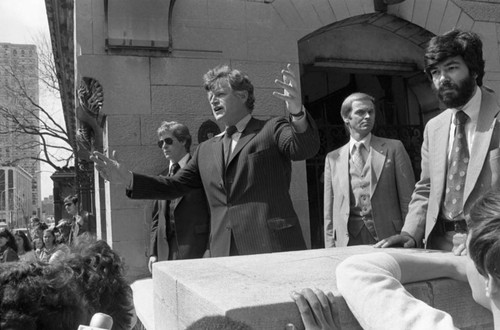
[{"x": 21, "y": 112}]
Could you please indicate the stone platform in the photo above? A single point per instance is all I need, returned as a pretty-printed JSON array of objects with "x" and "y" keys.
[{"x": 255, "y": 289}]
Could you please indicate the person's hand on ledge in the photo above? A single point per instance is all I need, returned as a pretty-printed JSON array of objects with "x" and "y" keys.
[
  {"x": 401, "y": 240},
  {"x": 317, "y": 310}
]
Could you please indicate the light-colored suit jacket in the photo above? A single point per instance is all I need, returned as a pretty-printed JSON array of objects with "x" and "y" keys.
[
  {"x": 482, "y": 173},
  {"x": 392, "y": 182}
]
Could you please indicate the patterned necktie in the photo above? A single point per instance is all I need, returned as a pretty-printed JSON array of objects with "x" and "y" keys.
[
  {"x": 173, "y": 169},
  {"x": 457, "y": 168},
  {"x": 227, "y": 143},
  {"x": 357, "y": 156}
]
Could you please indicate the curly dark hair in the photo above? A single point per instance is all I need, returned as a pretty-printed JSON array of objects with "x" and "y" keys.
[
  {"x": 37, "y": 297},
  {"x": 11, "y": 240},
  {"x": 100, "y": 272},
  {"x": 456, "y": 43}
]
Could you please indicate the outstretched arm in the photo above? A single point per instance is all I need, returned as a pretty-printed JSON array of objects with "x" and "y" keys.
[{"x": 111, "y": 169}]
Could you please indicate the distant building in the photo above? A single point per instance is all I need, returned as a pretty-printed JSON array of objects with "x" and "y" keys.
[
  {"x": 48, "y": 208},
  {"x": 17, "y": 148},
  {"x": 15, "y": 196}
]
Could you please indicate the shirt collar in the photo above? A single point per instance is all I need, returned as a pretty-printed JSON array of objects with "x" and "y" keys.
[
  {"x": 181, "y": 162},
  {"x": 240, "y": 126},
  {"x": 366, "y": 142},
  {"x": 472, "y": 107}
]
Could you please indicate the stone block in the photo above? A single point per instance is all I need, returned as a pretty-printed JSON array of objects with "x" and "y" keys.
[
  {"x": 83, "y": 35},
  {"x": 263, "y": 74},
  {"x": 355, "y": 7},
  {"x": 134, "y": 254},
  {"x": 263, "y": 44},
  {"x": 143, "y": 301},
  {"x": 255, "y": 289},
  {"x": 226, "y": 14},
  {"x": 289, "y": 14},
  {"x": 193, "y": 13},
  {"x": 488, "y": 33},
  {"x": 170, "y": 100},
  {"x": 465, "y": 22},
  {"x": 406, "y": 10},
  {"x": 421, "y": 12},
  {"x": 99, "y": 28},
  {"x": 181, "y": 71},
  {"x": 435, "y": 16},
  {"x": 450, "y": 18},
  {"x": 324, "y": 11},
  {"x": 368, "y": 6},
  {"x": 125, "y": 81},
  {"x": 127, "y": 223},
  {"x": 340, "y": 9},
  {"x": 124, "y": 130},
  {"x": 266, "y": 104}
]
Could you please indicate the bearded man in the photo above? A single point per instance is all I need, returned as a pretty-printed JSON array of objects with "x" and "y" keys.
[{"x": 460, "y": 151}]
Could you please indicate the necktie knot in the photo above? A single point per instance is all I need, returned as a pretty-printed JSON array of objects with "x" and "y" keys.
[
  {"x": 230, "y": 131},
  {"x": 461, "y": 118},
  {"x": 174, "y": 168}
]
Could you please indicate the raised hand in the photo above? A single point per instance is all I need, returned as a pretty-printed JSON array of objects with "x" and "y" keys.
[
  {"x": 110, "y": 168},
  {"x": 291, "y": 91}
]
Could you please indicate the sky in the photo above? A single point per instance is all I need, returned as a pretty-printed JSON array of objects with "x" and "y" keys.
[{"x": 21, "y": 21}]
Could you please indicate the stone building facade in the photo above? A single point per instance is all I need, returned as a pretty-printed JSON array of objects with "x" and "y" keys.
[{"x": 147, "y": 59}]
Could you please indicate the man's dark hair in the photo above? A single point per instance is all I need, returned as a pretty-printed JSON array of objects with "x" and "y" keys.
[
  {"x": 484, "y": 232},
  {"x": 71, "y": 198},
  {"x": 35, "y": 296},
  {"x": 456, "y": 43},
  {"x": 237, "y": 79}
]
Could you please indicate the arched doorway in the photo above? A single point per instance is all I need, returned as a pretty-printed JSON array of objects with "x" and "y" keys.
[{"x": 359, "y": 55}]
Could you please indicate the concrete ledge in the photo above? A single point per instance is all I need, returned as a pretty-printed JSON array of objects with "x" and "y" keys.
[
  {"x": 255, "y": 289},
  {"x": 143, "y": 302}
]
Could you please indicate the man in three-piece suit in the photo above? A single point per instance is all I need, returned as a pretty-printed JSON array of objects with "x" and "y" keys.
[
  {"x": 368, "y": 181},
  {"x": 245, "y": 172},
  {"x": 460, "y": 152},
  {"x": 180, "y": 227}
]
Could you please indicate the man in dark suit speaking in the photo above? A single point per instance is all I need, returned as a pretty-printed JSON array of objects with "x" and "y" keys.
[{"x": 245, "y": 171}]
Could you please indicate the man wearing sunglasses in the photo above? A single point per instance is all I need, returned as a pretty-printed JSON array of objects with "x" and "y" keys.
[
  {"x": 180, "y": 227},
  {"x": 245, "y": 172}
]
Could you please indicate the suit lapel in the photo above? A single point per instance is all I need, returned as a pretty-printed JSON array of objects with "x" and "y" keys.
[
  {"x": 378, "y": 154},
  {"x": 344, "y": 171},
  {"x": 482, "y": 137},
  {"x": 178, "y": 200}
]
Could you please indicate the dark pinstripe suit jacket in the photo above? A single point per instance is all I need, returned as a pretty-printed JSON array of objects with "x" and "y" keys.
[{"x": 250, "y": 197}]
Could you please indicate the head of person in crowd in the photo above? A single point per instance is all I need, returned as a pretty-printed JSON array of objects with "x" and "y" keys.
[
  {"x": 7, "y": 240},
  {"x": 174, "y": 140},
  {"x": 49, "y": 238},
  {"x": 40, "y": 227},
  {"x": 455, "y": 65},
  {"x": 59, "y": 304},
  {"x": 22, "y": 242},
  {"x": 100, "y": 272},
  {"x": 230, "y": 94},
  {"x": 358, "y": 114},
  {"x": 483, "y": 245},
  {"x": 34, "y": 222},
  {"x": 71, "y": 204},
  {"x": 38, "y": 243}
]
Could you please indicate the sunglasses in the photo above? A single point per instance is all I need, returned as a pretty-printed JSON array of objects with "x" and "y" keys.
[
  {"x": 68, "y": 204},
  {"x": 168, "y": 141}
]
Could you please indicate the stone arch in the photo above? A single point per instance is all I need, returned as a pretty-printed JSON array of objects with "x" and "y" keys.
[{"x": 378, "y": 54}]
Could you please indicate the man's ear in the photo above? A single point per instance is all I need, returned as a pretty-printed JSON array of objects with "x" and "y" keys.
[{"x": 243, "y": 95}]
